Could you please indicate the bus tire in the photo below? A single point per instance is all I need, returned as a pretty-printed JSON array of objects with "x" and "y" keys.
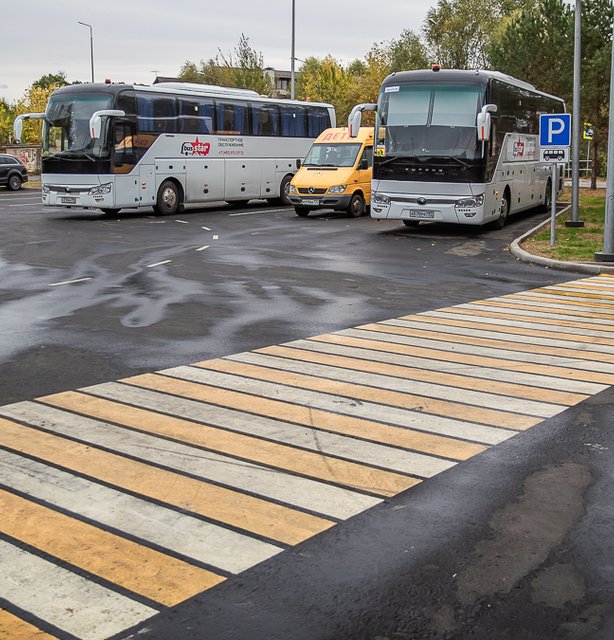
[
  {"x": 303, "y": 212},
  {"x": 110, "y": 212},
  {"x": 547, "y": 203},
  {"x": 284, "y": 186},
  {"x": 168, "y": 200},
  {"x": 356, "y": 208},
  {"x": 504, "y": 211}
]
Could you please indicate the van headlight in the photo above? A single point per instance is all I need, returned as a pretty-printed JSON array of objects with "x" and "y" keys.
[
  {"x": 470, "y": 203},
  {"x": 292, "y": 189},
  {"x": 338, "y": 189},
  {"x": 101, "y": 190},
  {"x": 380, "y": 198}
]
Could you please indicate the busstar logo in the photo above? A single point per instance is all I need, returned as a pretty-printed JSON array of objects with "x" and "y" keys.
[
  {"x": 196, "y": 148},
  {"x": 518, "y": 149}
]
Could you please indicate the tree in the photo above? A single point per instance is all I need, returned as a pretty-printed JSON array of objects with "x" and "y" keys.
[
  {"x": 7, "y": 116},
  {"x": 51, "y": 80}
]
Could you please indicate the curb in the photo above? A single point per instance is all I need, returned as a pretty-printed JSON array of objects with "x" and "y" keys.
[{"x": 582, "y": 267}]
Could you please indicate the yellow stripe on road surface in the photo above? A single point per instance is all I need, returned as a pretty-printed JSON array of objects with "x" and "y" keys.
[{"x": 14, "y": 628}]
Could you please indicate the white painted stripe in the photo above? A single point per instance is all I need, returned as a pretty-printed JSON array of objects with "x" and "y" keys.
[
  {"x": 182, "y": 221},
  {"x": 488, "y": 352},
  {"x": 578, "y": 288},
  {"x": 58, "y": 284},
  {"x": 30, "y": 204},
  {"x": 539, "y": 312},
  {"x": 458, "y": 368},
  {"x": 585, "y": 347},
  {"x": 294, "y": 435},
  {"x": 270, "y": 483},
  {"x": 378, "y": 381},
  {"x": 347, "y": 406},
  {"x": 157, "y": 264},
  {"x": 544, "y": 298},
  {"x": 199, "y": 540},
  {"x": 206, "y": 228},
  {"x": 206, "y": 246},
  {"x": 68, "y": 601},
  {"x": 253, "y": 213},
  {"x": 519, "y": 324}
]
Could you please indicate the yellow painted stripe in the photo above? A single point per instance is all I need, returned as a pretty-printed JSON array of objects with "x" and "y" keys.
[
  {"x": 481, "y": 361},
  {"x": 408, "y": 401},
  {"x": 312, "y": 417},
  {"x": 425, "y": 375},
  {"x": 531, "y": 317},
  {"x": 517, "y": 331},
  {"x": 570, "y": 293},
  {"x": 137, "y": 568},
  {"x": 489, "y": 342},
  {"x": 556, "y": 300},
  {"x": 307, "y": 463},
  {"x": 14, "y": 628},
  {"x": 224, "y": 505},
  {"x": 586, "y": 284},
  {"x": 541, "y": 305}
]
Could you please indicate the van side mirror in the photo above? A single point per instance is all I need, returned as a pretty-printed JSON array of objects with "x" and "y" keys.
[
  {"x": 483, "y": 122},
  {"x": 298, "y": 163},
  {"x": 96, "y": 120},
  {"x": 355, "y": 117},
  {"x": 363, "y": 165}
]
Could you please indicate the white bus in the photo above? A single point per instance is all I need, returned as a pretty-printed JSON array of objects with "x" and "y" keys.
[
  {"x": 458, "y": 147},
  {"x": 116, "y": 146}
]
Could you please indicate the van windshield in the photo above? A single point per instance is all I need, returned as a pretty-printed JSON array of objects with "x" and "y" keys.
[{"x": 332, "y": 155}]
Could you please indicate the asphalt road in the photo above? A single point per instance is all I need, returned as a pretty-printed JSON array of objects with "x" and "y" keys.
[{"x": 512, "y": 543}]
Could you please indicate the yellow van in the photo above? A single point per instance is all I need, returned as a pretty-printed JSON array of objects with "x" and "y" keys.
[{"x": 336, "y": 174}]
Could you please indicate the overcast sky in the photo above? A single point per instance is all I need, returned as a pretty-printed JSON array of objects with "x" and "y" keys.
[{"x": 135, "y": 39}]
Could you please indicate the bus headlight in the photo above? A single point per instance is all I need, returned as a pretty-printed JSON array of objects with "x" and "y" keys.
[
  {"x": 338, "y": 189},
  {"x": 45, "y": 189},
  {"x": 292, "y": 189},
  {"x": 470, "y": 203},
  {"x": 381, "y": 199},
  {"x": 101, "y": 190}
]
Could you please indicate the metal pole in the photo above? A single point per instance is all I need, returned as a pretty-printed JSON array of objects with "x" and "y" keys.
[
  {"x": 553, "y": 190},
  {"x": 575, "y": 147},
  {"x": 607, "y": 255},
  {"x": 292, "y": 54}
]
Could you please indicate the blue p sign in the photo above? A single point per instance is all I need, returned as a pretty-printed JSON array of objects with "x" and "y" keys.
[{"x": 555, "y": 130}]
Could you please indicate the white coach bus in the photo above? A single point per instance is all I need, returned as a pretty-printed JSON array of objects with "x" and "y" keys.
[
  {"x": 116, "y": 146},
  {"x": 457, "y": 147}
]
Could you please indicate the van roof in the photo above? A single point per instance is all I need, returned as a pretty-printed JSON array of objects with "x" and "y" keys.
[{"x": 341, "y": 134}]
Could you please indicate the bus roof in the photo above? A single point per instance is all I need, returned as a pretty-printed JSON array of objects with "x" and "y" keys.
[
  {"x": 475, "y": 77},
  {"x": 180, "y": 88}
]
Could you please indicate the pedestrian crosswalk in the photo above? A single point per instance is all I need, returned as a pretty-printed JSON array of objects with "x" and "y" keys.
[{"x": 128, "y": 497}]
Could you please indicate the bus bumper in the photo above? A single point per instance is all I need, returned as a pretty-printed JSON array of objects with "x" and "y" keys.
[{"x": 83, "y": 196}]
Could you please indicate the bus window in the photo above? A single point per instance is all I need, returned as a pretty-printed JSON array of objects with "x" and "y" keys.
[
  {"x": 156, "y": 114},
  {"x": 231, "y": 118},
  {"x": 195, "y": 116},
  {"x": 317, "y": 121},
  {"x": 265, "y": 119},
  {"x": 293, "y": 121}
]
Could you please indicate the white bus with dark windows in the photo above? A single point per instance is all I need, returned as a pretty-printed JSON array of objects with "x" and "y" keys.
[
  {"x": 116, "y": 146},
  {"x": 458, "y": 147}
]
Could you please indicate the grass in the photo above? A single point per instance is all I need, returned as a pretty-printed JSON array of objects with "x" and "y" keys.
[{"x": 573, "y": 244}]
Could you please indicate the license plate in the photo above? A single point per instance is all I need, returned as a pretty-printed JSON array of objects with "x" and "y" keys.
[
  {"x": 310, "y": 202},
  {"x": 421, "y": 213},
  {"x": 68, "y": 200}
]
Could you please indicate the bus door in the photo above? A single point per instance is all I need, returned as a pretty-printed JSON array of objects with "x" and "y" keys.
[{"x": 124, "y": 159}]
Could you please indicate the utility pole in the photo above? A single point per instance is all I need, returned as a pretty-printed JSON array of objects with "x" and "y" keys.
[
  {"x": 575, "y": 147},
  {"x": 607, "y": 255},
  {"x": 292, "y": 59},
  {"x": 89, "y": 26}
]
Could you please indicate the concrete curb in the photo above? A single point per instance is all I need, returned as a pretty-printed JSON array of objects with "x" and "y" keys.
[{"x": 582, "y": 267}]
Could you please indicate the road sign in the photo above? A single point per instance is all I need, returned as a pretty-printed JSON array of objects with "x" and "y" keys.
[
  {"x": 587, "y": 132},
  {"x": 554, "y": 154},
  {"x": 555, "y": 130}
]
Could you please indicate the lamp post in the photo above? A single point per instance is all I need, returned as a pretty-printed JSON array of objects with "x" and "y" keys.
[
  {"x": 292, "y": 54},
  {"x": 89, "y": 26}
]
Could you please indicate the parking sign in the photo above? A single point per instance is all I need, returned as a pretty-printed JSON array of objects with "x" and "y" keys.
[{"x": 555, "y": 130}]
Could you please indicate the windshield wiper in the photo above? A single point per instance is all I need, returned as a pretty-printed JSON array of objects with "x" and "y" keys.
[
  {"x": 389, "y": 159},
  {"x": 453, "y": 158}
]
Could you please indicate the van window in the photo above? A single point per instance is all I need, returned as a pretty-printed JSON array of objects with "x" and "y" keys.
[
  {"x": 368, "y": 155},
  {"x": 332, "y": 155}
]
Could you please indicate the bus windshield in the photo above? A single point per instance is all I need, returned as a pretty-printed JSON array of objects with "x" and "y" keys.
[
  {"x": 428, "y": 120},
  {"x": 332, "y": 155},
  {"x": 66, "y": 125}
]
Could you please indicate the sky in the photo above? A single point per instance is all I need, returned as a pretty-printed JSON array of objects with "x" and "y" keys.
[{"x": 135, "y": 40}]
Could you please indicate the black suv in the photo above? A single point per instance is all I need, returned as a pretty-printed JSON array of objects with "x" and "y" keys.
[{"x": 12, "y": 172}]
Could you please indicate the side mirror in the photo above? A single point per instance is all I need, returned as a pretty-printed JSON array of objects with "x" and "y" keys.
[
  {"x": 355, "y": 117},
  {"x": 298, "y": 164},
  {"x": 96, "y": 120},
  {"x": 363, "y": 165},
  {"x": 18, "y": 124},
  {"x": 483, "y": 122}
]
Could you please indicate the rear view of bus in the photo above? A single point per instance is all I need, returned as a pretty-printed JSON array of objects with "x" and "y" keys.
[{"x": 457, "y": 147}]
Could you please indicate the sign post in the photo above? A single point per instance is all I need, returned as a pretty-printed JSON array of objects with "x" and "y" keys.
[{"x": 554, "y": 142}]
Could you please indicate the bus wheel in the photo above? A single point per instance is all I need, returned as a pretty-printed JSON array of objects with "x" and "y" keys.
[
  {"x": 168, "y": 200},
  {"x": 284, "y": 187},
  {"x": 110, "y": 212},
  {"x": 356, "y": 207},
  {"x": 504, "y": 210},
  {"x": 303, "y": 212},
  {"x": 547, "y": 204}
]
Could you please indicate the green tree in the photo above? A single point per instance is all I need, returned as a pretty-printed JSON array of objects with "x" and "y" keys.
[
  {"x": 51, "y": 80},
  {"x": 7, "y": 116}
]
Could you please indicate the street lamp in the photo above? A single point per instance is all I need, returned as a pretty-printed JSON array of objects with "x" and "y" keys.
[
  {"x": 292, "y": 54},
  {"x": 89, "y": 26}
]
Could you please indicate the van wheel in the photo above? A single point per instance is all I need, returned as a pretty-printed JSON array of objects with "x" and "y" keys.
[
  {"x": 303, "y": 212},
  {"x": 168, "y": 201},
  {"x": 356, "y": 207}
]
